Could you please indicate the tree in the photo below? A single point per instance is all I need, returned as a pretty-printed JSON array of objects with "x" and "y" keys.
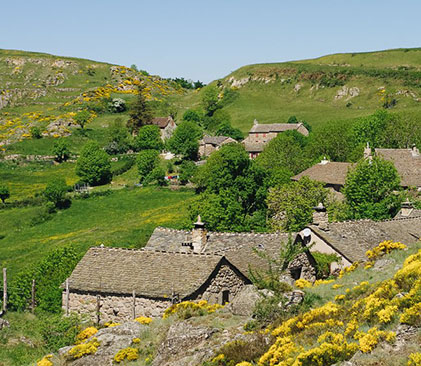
[
  {"x": 211, "y": 123},
  {"x": 36, "y": 132},
  {"x": 55, "y": 192},
  {"x": 82, "y": 118},
  {"x": 225, "y": 129},
  {"x": 185, "y": 140},
  {"x": 157, "y": 175},
  {"x": 93, "y": 165},
  {"x": 4, "y": 193},
  {"x": 187, "y": 171},
  {"x": 285, "y": 151},
  {"x": 210, "y": 99},
  {"x": 294, "y": 119},
  {"x": 370, "y": 129},
  {"x": 193, "y": 116},
  {"x": 118, "y": 138},
  {"x": 61, "y": 150},
  {"x": 370, "y": 189},
  {"x": 291, "y": 206},
  {"x": 146, "y": 162},
  {"x": 232, "y": 192},
  {"x": 149, "y": 138},
  {"x": 140, "y": 111}
]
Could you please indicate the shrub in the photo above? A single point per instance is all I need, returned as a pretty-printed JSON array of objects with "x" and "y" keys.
[
  {"x": 93, "y": 165},
  {"x": 323, "y": 262},
  {"x": 146, "y": 162},
  {"x": 58, "y": 331},
  {"x": 129, "y": 354},
  {"x": 156, "y": 175},
  {"x": 125, "y": 164},
  {"x": 4, "y": 193},
  {"x": 84, "y": 349},
  {"x": 117, "y": 105},
  {"x": 149, "y": 138},
  {"x": 118, "y": 138},
  {"x": 36, "y": 132},
  {"x": 188, "y": 309},
  {"x": 144, "y": 320},
  {"x": 61, "y": 150},
  {"x": 55, "y": 192},
  {"x": 187, "y": 171},
  {"x": 82, "y": 118}
]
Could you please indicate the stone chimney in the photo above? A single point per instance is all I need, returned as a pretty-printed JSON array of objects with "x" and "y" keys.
[
  {"x": 199, "y": 236},
  {"x": 324, "y": 161},
  {"x": 255, "y": 122},
  {"x": 367, "y": 152},
  {"x": 406, "y": 208},
  {"x": 320, "y": 217},
  {"x": 414, "y": 151}
]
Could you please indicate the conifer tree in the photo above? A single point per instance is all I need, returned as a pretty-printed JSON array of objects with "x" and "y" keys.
[{"x": 140, "y": 112}]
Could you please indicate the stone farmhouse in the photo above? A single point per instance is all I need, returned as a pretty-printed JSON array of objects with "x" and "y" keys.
[
  {"x": 350, "y": 240},
  {"x": 174, "y": 266},
  {"x": 261, "y": 134},
  {"x": 166, "y": 126},
  {"x": 211, "y": 143},
  {"x": 333, "y": 174}
]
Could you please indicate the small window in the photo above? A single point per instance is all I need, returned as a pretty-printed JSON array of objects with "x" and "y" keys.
[{"x": 225, "y": 296}]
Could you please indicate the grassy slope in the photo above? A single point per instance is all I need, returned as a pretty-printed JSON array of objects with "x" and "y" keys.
[
  {"x": 276, "y": 100},
  {"x": 125, "y": 218}
]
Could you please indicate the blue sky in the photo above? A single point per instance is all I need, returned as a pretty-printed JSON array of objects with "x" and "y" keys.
[{"x": 207, "y": 40}]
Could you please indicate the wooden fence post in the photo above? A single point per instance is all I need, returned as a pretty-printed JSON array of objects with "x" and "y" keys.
[
  {"x": 33, "y": 296},
  {"x": 98, "y": 309},
  {"x": 4, "y": 289},
  {"x": 134, "y": 304},
  {"x": 67, "y": 297}
]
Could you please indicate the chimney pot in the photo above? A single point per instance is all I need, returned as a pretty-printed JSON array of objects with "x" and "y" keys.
[
  {"x": 320, "y": 217},
  {"x": 199, "y": 235}
]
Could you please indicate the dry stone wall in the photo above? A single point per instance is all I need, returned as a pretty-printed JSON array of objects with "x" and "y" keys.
[{"x": 115, "y": 308}]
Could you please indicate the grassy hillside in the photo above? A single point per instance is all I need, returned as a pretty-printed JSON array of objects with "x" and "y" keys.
[
  {"x": 120, "y": 218},
  {"x": 336, "y": 87}
]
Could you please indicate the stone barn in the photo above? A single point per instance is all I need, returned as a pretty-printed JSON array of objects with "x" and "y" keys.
[{"x": 122, "y": 284}]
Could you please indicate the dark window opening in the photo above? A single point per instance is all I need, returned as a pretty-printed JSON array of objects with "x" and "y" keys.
[
  {"x": 296, "y": 272},
  {"x": 225, "y": 296}
]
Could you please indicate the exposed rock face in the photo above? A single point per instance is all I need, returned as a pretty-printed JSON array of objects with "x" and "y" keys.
[
  {"x": 347, "y": 93},
  {"x": 295, "y": 297},
  {"x": 297, "y": 87},
  {"x": 244, "y": 302},
  {"x": 185, "y": 344},
  {"x": 111, "y": 341}
]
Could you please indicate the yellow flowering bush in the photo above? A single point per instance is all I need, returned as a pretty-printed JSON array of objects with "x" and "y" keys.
[
  {"x": 414, "y": 359},
  {"x": 143, "y": 320},
  {"x": 383, "y": 248},
  {"x": 83, "y": 349},
  {"x": 302, "y": 283},
  {"x": 110, "y": 324},
  {"x": 129, "y": 354},
  {"x": 412, "y": 315},
  {"x": 45, "y": 361},
  {"x": 349, "y": 269},
  {"x": 369, "y": 340},
  {"x": 336, "y": 286},
  {"x": 187, "y": 309},
  {"x": 85, "y": 334},
  {"x": 136, "y": 340},
  {"x": 323, "y": 282}
]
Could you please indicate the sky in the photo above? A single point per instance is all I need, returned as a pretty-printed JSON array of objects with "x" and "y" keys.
[{"x": 206, "y": 40}]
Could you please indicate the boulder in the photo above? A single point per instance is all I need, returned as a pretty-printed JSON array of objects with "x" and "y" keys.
[
  {"x": 4, "y": 324},
  {"x": 244, "y": 302}
]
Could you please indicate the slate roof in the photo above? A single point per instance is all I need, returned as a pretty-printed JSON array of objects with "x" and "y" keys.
[
  {"x": 149, "y": 273},
  {"x": 253, "y": 147},
  {"x": 414, "y": 213},
  {"x": 274, "y": 127},
  {"x": 330, "y": 172},
  {"x": 407, "y": 162},
  {"x": 238, "y": 248},
  {"x": 161, "y": 122},
  {"x": 353, "y": 238},
  {"x": 215, "y": 140}
]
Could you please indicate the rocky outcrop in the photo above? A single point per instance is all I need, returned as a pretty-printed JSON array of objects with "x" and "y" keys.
[
  {"x": 347, "y": 93},
  {"x": 244, "y": 302}
]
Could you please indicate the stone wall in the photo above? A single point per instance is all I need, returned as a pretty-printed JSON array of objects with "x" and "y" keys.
[
  {"x": 114, "y": 308},
  {"x": 226, "y": 279},
  {"x": 307, "y": 271},
  {"x": 167, "y": 132}
]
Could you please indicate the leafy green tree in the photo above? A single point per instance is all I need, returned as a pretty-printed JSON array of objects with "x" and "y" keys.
[
  {"x": 291, "y": 206},
  {"x": 156, "y": 175},
  {"x": 118, "y": 138},
  {"x": 210, "y": 99},
  {"x": 401, "y": 132},
  {"x": 225, "y": 129},
  {"x": 370, "y": 189},
  {"x": 140, "y": 111},
  {"x": 284, "y": 151},
  {"x": 294, "y": 119},
  {"x": 232, "y": 192},
  {"x": 370, "y": 129},
  {"x": 82, "y": 118},
  {"x": 187, "y": 171},
  {"x": 211, "y": 123},
  {"x": 4, "y": 193},
  {"x": 61, "y": 150},
  {"x": 185, "y": 140},
  {"x": 149, "y": 138},
  {"x": 93, "y": 165},
  {"x": 147, "y": 161},
  {"x": 192, "y": 115},
  {"x": 55, "y": 192}
]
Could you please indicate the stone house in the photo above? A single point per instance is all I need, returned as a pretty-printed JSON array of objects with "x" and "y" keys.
[
  {"x": 350, "y": 240},
  {"x": 333, "y": 174},
  {"x": 166, "y": 126},
  {"x": 121, "y": 284},
  {"x": 238, "y": 248},
  {"x": 211, "y": 143},
  {"x": 261, "y": 134}
]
